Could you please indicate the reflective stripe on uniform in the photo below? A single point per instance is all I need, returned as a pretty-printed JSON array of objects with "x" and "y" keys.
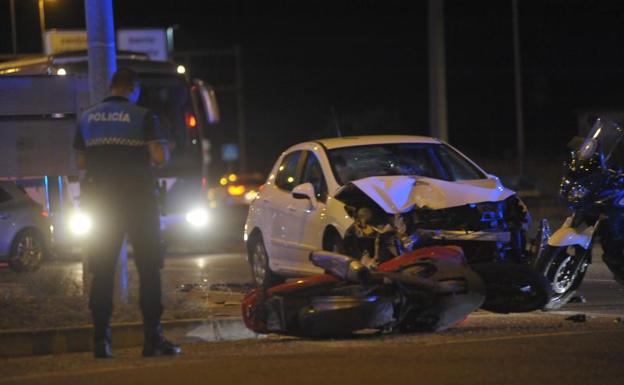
[{"x": 115, "y": 141}]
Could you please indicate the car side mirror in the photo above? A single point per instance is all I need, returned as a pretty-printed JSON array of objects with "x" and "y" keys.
[{"x": 304, "y": 191}]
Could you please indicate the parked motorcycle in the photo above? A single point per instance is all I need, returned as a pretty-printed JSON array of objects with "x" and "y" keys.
[
  {"x": 430, "y": 289},
  {"x": 593, "y": 187}
]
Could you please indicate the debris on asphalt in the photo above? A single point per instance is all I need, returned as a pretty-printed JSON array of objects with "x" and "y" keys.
[
  {"x": 577, "y": 318},
  {"x": 236, "y": 287},
  {"x": 186, "y": 287}
]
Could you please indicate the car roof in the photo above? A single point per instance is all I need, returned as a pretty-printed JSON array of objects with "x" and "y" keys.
[{"x": 350, "y": 141}]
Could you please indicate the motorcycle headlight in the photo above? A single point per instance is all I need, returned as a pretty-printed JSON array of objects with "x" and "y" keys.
[
  {"x": 577, "y": 192},
  {"x": 198, "y": 217},
  {"x": 80, "y": 223}
]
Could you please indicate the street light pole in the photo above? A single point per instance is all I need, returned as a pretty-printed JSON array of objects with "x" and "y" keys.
[
  {"x": 518, "y": 89},
  {"x": 42, "y": 26},
  {"x": 242, "y": 140},
  {"x": 437, "y": 71},
  {"x": 13, "y": 28}
]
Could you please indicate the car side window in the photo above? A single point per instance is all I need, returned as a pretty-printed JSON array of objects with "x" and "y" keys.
[
  {"x": 4, "y": 196},
  {"x": 286, "y": 178},
  {"x": 313, "y": 173}
]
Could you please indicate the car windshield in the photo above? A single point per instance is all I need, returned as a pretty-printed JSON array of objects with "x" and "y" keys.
[{"x": 417, "y": 159}]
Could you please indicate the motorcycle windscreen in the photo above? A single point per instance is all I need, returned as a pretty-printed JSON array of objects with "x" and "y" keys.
[
  {"x": 604, "y": 138},
  {"x": 333, "y": 263}
]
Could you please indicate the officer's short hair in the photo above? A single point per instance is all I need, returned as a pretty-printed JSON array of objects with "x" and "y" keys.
[{"x": 124, "y": 78}]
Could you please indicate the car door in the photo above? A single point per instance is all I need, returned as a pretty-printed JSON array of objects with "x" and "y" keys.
[
  {"x": 6, "y": 224},
  {"x": 278, "y": 210},
  {"x": 309, "y": 217}
]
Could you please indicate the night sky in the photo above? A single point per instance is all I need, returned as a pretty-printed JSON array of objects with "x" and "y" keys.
[{"x": 367, "y": 60}]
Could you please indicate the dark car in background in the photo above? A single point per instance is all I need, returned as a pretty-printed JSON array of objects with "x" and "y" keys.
[{"x": 25, "y": 229}]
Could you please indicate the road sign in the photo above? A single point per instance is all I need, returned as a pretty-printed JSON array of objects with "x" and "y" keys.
[
  {"x": 229, "y": 152},
  {"x": 151, "y": 41},
  {"x": 57, "y": 41}
]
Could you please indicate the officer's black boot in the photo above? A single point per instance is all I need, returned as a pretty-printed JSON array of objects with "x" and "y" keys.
[
  {"x": 156, "y": 344},
  {"x": 102, "y": 343}
]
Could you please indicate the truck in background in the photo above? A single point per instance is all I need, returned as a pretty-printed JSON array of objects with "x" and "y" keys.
[{"x": 41, "y": 99}]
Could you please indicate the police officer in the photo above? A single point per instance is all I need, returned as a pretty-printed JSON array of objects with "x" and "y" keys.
[{"x": 117, "y": 143}]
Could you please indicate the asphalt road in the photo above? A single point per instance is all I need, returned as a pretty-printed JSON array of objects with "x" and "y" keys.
[{"x": 488, "y": 349}]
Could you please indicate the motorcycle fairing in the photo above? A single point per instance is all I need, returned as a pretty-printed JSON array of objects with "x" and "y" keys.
[
  {"x": 400, "y": 194},
  {"x": 567, "y": 235},
  {"x": 452, "y": 253}
]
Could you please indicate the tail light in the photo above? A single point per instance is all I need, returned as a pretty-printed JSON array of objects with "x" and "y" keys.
[
  {"x": 191, "y": 121},
  {"x": 236, "y": 190}
]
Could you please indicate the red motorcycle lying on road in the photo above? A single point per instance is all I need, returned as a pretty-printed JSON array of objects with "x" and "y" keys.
[{"x": 429, "y": 289}]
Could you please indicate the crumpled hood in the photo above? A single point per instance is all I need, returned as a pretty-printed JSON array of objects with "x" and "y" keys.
[{"x": 399, "y": 194}]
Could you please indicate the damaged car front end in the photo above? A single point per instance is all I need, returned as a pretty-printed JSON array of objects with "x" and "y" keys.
[{"x": 395, "y": 214}]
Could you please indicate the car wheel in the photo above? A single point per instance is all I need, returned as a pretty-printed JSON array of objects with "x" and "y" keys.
[
  {"x": 27, "y": 251},
  {"x": 333, "y": 242},
  {"x": 259, "y": 261},
  {"x": 512, "y": 287}
]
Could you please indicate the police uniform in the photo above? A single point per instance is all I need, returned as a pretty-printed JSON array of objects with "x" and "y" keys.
[{"x": 120, "y": 194}]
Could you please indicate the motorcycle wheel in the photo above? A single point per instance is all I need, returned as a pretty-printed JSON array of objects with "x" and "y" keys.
[
  {"x": 512, "y": 287},
  {"x": 557, "y": 265}
]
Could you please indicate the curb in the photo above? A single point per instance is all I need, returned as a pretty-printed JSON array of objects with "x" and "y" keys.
[{"x": 19, "y": 343}]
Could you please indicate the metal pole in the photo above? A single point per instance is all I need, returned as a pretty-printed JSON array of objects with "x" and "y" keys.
[
  {"x": 102, "y": 65},
  {"x": 13, "y": 28},
  {"x": 242, "y": 148},
  {"x": 101, "y": 47},
  {"x": 437, "y": 71},
  {"x": 42, "y": 26},
  {"x": 518, "y": 87}
]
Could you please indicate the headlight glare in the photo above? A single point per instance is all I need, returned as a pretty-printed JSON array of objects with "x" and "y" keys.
[
  {"x": 198, "y": 217},
  {"x": 80, "y": 223}
]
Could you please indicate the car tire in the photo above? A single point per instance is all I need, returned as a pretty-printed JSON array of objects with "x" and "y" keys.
[
  {"x": 259, "y": 262},
  {"x": 512, "y": 287},
  {"x": 332, "y": 241},
  {"x": 27, "y": 251}
]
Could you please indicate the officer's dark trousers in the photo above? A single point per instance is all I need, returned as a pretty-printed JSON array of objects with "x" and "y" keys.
[{"x": 121, "y": 208}]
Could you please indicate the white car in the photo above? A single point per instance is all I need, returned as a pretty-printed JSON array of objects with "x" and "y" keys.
[{"x": 299, "y": 208}]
